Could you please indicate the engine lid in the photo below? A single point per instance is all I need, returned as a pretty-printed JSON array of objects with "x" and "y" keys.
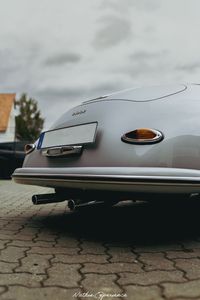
[{"x": 144, "y": 94}]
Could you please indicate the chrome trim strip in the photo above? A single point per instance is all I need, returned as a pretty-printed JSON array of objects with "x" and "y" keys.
[
  {"x": 109, "y": 178},
  {"x": 62, "y": 151},
  {"x": 136, "y": 180},
  {"x": 112, "y": 185},
  {"x": 158, "y": 180},
  {"x": 145, "y": 172}
]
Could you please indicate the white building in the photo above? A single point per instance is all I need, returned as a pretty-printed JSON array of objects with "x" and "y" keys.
[{"x": 7, "y": 118}]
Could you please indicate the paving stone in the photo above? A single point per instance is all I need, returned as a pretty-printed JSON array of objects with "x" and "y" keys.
[
  {"x": 7, "y": 267},
  {"x": 28, "y": 231},
  {"x": 111, "y": 268},
  {"x": 12, "y": 254},
  {"x": 143, "y": 293},
  {"x": 13, "y": 227},
  {"x": 3, "y": 244},
  {"x": 92, "y": 248},
  {"x": 45, "y": 232},
  {"x": 120, "y": 254},
  {"x": 157, "y": 248},
  {"x": 67, "y": 242},
  {"x": 53, "y": 250},
  {"x": 192, "y": 253},
  {"x": 81, "y": 258},
  {"x": 156, "y": 261},
  {"x": 25, "y": 293},
  {"x": 18, "y": 222},
  {"x": 34, "y": 263},
  {"x": 101, "y": 283},
  {"x": 30, "y": 243},
  {"x": 2, "y": 290},
  {"x": 21, "y": 278},
  {"x": 34, "y": 224},
  {"x": 190, "y": 266},
  {"x": 152, "y": 277},
  {"x": 46, "y": 237},
  {"x": 21, "y": 237},
  {"x": 36, "y": 250},
  {"x": 4, "y": 222},
  {"x": 7, "y": 235},
  {"x": 183, "y": 298},
  {"x": 184, "y": 290},
  {"x": 65, "y": 275}
]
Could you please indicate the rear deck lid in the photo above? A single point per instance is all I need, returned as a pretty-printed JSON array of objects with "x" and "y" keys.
[{"x": 144, "y": 94}]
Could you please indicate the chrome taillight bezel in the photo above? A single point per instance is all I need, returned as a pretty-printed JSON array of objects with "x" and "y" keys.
[
  {"x": 158, "y": 137},
  {"x": 28, "y": 148}
]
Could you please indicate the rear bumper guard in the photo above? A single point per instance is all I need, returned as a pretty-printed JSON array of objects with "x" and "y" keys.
[{"x": 129, "y": 179}]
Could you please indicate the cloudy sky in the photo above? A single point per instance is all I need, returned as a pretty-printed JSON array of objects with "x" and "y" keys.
[{"x": 63, "y": 52}]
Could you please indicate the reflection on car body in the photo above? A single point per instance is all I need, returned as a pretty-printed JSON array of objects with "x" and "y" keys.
[{"x": 11, "y": 157}]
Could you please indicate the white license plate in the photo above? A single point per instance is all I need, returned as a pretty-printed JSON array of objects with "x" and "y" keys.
[{"x": 74, "y": 135}]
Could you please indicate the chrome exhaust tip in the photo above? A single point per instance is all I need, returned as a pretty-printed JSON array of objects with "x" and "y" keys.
[
  {"x": 71, "y": 205},
  {"x": 47, "y": 198},
  {"x": 77, "y": 204}
]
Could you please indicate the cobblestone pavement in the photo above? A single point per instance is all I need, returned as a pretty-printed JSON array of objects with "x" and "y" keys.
[{"x": 144, "y": 251}]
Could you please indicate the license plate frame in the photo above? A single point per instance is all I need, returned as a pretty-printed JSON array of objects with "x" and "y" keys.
[{"x": 86, "y": 134}]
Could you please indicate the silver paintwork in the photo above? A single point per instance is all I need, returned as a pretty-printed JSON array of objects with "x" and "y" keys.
[{"x": 173, "y": 110}]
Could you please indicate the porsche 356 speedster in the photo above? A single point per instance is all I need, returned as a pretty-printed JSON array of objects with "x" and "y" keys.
[{"x": 133, "y": 144}]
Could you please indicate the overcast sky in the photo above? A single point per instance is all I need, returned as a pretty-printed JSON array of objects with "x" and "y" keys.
[{"x": 63, "y": 52}]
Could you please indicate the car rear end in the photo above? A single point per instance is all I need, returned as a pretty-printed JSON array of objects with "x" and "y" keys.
[{"x": 119, "y": 146}]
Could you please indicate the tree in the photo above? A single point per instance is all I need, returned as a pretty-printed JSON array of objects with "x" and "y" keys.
[{"x": 29, "y": 122}]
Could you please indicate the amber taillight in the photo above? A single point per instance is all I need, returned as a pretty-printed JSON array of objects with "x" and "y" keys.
[{"x": 142, "y": 136}]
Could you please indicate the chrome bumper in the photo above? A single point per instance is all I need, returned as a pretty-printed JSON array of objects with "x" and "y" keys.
[{"x": 129, "y": 179}]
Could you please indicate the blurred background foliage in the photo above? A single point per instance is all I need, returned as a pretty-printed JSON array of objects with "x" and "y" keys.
[{"x": 29, "y": 122}]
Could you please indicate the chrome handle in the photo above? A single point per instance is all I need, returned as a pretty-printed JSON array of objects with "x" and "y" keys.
[{"x": 62, "y": 151}]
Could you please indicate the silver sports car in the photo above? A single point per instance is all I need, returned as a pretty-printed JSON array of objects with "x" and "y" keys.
[{"x": 133, "y": 144}]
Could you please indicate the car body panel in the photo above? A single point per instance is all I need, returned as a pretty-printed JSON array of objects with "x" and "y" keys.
[
  {"x": 145, "y": 94},
  {"x": 175, "y": 113}
]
